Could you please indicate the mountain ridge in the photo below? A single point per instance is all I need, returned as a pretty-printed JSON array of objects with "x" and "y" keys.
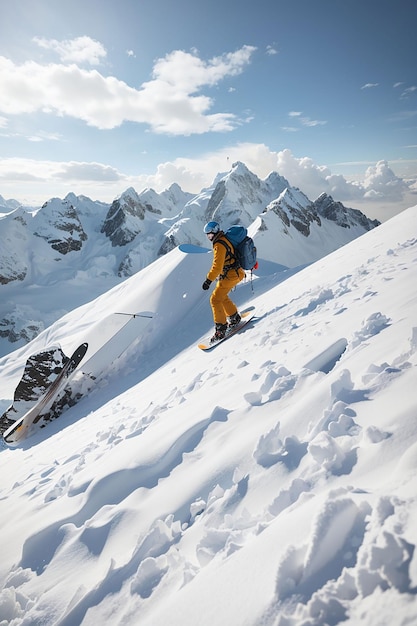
[{"x": 82, "y": 247}]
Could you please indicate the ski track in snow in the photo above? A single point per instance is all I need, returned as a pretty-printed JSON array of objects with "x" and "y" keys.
[{"x": 355, "y": 543}]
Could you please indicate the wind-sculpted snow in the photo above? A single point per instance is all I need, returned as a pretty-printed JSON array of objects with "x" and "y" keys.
[{"x": 271, "y": 482}]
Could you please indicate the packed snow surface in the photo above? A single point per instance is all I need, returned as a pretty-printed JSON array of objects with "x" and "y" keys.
[{"x": 269, "y": 482}]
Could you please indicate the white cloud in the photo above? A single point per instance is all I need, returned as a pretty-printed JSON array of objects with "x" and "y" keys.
[
  {"x": 369, "y": 85},
  {"x": 381, "y": 182},
  {"x": 17, "y": 169},
  {"x": 304, "y": 120},
  {"x": 187, "y": 72},
  {"x": 88, "y": 171},
  {"x": 408, "y": 92},
  {"x": 78, "y": 50},
  {"x": 45, "y": 136},
  {"x": 307, "y": 121},
  {"x": 271, "y": 50},
  {"x": 311, "y": 178},
  {"x": 170, "y": 103}
]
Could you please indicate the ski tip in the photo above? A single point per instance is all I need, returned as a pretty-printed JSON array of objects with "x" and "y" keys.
[{"x": 80, "y": 352}]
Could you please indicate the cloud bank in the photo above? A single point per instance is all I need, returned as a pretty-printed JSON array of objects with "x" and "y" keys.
[
  {"x": 171, "y": 102},
  {"x": 380, "y": 186},
  {"x": 379, "y": 183}
]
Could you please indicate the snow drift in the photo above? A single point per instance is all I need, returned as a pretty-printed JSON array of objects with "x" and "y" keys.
[{"x": 241, "y": 486}]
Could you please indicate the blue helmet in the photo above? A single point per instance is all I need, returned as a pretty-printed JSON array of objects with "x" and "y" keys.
[{"x": 211, "y": 227}]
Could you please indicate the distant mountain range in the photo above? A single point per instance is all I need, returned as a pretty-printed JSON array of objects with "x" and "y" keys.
[{"x": 70, "y": 251}]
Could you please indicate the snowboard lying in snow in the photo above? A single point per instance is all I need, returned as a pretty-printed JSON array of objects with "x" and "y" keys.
[
  {"x": 20, "y": 429},
  {"x": 246, "y": 317}
]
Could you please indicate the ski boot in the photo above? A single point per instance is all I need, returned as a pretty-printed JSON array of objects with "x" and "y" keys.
[
  {"x": 234, "y": 320},
  {"x": 220, "y": 332}
]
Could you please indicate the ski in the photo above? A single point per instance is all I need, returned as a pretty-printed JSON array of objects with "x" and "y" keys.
[
  {"x": 246, "y": 318},
  {"x": 19, "y": 430}
]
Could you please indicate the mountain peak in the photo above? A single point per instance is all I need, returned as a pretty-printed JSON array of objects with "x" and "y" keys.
[
  {"x": 338, "y": 213},
  {"x": 240, "y": 168}
]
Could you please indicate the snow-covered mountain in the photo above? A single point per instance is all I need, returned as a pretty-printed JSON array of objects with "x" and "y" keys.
[
  {"x": 270, "y": 482},
  {"x": 8, "y": 205},
  {"x": 70, "y": 251}
]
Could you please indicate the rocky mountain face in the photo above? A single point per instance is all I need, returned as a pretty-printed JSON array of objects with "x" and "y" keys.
[
  {"x": 40, "y": 371},
  {"x": 13, "y": 231},
  {"x": 340, "y": 215},
  {"x": 69, "y": 251},
  {"x": 295, "y": 210},
  {"x": 59, "y": 224},
  {"x": 125, "y": 218}
]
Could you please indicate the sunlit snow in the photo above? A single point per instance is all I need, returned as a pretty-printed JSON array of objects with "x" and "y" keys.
[{"x": 270, "y": 482}]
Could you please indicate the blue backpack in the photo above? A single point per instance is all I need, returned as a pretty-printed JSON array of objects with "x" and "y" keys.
[{"x": 245, "y": 250}]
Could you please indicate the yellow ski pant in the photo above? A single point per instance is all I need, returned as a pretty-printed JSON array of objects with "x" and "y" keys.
[{"x": 221, "y": 305}]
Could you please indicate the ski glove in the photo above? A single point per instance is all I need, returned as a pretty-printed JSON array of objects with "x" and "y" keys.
[{"x": 206, "y": 284}]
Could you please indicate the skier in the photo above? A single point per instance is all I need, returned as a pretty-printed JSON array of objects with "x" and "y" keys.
[{"x": 229, "y": 274}]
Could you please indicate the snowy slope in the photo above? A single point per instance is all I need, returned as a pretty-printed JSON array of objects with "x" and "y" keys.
[
  {"x": 70, "y": 251},
  {"x": 233, "y": 487}
]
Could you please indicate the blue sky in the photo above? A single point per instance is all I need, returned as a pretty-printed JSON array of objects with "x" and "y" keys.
[{"x": 100, "y": 95}]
